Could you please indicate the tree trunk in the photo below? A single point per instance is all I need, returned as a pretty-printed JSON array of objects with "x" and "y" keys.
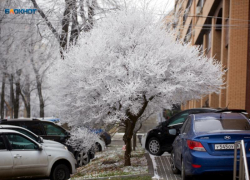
[
  {"x": 26, "y": 96},
  {"x": 134, "y": 141},
  {"x": 129, "y": 128},
  {"x": 75, "y": 31},
  {"x": 2, "y": 97},
  {"x": 39, "y": 89},
  {"x": 18, "y": 92},
  {"x": 12, "y": 98},
  {"x": 65, "y": 26}
]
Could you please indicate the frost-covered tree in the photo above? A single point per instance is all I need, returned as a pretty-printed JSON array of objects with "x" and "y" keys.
[{"x": 126, "y": 66}]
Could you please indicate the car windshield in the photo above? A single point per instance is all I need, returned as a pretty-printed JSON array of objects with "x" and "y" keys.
[{"x": 218, "y": 125}]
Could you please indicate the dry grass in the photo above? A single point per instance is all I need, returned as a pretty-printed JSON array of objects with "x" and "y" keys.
[{"x": 110, "y": 163}]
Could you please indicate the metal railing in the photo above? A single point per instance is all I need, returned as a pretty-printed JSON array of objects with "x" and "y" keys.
[{"x": 243, "y": 167}]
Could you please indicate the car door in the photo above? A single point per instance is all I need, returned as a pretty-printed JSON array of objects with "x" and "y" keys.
[
  {"x": 181, "y": 140},
  {"x": 175, "y": 123},
  {"x": 6, "y": 160},
  {"x": 28, "y": 160},
  {"x": 54, "y": 132}
]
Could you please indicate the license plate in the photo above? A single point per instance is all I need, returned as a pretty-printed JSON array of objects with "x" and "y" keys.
[{"x": 225, "y": 146}]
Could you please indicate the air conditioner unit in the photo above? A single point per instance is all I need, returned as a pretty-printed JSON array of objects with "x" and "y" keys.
[{"x": 198, "y": 10}]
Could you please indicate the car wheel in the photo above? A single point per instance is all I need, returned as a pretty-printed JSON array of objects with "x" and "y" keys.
[
  {"x": 60, "y": 172},
  {"x": 154, "y": 147},
  {"x": 172, "y": 164},
  {"x": 82, "y": 158},
  {"x": 183, "y": 174},
  {"x": 98, "y": 147}
]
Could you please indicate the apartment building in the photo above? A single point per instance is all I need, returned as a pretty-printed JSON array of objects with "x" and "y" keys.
[{"x": 221, "y": 28}]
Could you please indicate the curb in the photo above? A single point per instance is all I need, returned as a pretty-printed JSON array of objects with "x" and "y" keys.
[{"x": 112, "y": 177}]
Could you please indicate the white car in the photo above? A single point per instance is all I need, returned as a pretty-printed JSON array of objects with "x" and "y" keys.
[
  {"x": 23, "y": 157},
  {"x": 100, "y": 145},
  {"x": 34, "y": 136}
]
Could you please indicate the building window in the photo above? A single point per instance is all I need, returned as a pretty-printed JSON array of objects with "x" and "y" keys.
[
  {"x": 199, "y": 7},
  {"x": 201, "y": 3},
  {"x": 209, "y": 41},
  {"x": 186, "y": 11},
  {"x": 189, "y": 34}
]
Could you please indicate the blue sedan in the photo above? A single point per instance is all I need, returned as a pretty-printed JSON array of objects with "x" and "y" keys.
[{"x": 206, "y": 143}]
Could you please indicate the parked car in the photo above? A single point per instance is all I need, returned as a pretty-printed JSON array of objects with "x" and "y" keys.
[
  {"x": 21, "y": 157},
  {"x": 158, "y": 140},
  {"x": 33, "y": 136},
  {"x": 103, "y": 135},
  {"x": 106, "y": 137},
  {"x": 51, "y": 131},
  {"x": 100, "y": 145},
  {"x": 206, "y": 143}
]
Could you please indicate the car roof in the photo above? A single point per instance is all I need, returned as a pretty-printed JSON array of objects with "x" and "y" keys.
[
  {"x": 201, "y": 109},
  {"x": 3, "y": 126},
  {"x": 10, "y": 126},
  {"x": 24, "y": 119},
  {"x": 223, "y": 115},
  {"x": 8, "y": 131}
]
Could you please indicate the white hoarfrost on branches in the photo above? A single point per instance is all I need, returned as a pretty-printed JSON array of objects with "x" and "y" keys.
[
  {"x": 126, "y": 60},
  {"x": 82, "y": 139}
]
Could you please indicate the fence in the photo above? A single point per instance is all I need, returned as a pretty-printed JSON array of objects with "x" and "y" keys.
[{"x": 243, "y": 167}]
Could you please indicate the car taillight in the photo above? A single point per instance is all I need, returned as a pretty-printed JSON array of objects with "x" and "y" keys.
[{"x": 196, "y": 146}]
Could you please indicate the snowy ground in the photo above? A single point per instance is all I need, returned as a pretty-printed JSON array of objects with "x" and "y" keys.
[{"x": 110, "y": 163}]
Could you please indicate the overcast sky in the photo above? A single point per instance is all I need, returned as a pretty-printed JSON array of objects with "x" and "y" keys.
[{"x": 162, "y": 6}]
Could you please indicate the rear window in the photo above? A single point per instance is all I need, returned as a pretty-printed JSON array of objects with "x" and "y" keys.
[{"x": 213, "y": 125}]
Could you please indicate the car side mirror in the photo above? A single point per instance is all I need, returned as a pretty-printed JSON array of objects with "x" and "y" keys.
[
  {"x": 40, "y": 139},
  {"x": 40, "y": 147},
  {"x": 67, "y": 134},
  {"x": 173, "y": 132}
]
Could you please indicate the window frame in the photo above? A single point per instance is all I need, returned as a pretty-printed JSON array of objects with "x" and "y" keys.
[
  {"x": 5, "y": 144},
  {"x": 177, "y": 116},
  {"x": 11, "y": 149},
  {"x": 52, "y": 124}
]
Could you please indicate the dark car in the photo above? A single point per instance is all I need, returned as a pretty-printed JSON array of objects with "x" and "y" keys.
[
  {"x": 51, "y": 131},
  {"x": 106, "y": 137},
  {"x": 103, "y": 135},
  {"x": 158, "y": 140},
  {"x": 206, "y": 143}
]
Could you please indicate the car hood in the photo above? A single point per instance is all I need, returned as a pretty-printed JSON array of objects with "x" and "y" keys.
[
  {"x": 54, "y": 149},
  {"x": 49, "y": 143}
]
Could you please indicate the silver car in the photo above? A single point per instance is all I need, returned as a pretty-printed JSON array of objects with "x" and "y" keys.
[
  {"x": 23, "y": 157},
  {"x": 33, "y": 136}
]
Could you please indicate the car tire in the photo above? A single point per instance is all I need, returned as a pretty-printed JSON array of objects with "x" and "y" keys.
[
  {"x": 183, "y": 173},
  {"x": 98, "y": 147},
  {"x": 154, "y": 147},
  {"x": 60, "y": 172},
  {"x": 172, "y": 164},
  {"x": 82, "y": 158}
]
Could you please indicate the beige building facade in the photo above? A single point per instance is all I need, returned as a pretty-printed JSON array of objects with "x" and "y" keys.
[{"x": 222, "y": 29}]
